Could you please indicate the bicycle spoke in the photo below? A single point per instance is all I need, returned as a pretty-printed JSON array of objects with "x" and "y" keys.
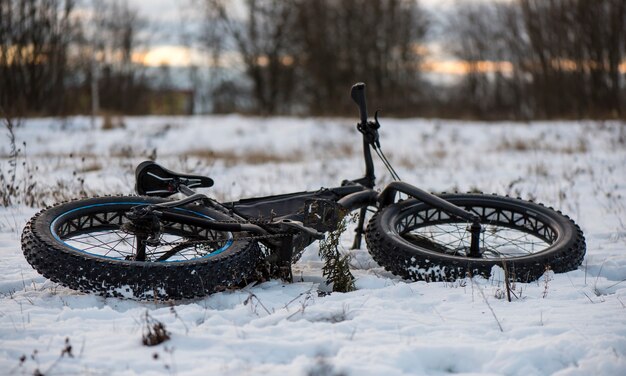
[
  {"x": 498, "y": 239},
  {"x": 100, "y": 244},
  {"x": 124, "y": 238},
  {"x": 515, "y": 242},
  {"x": 179, "y": 242}
]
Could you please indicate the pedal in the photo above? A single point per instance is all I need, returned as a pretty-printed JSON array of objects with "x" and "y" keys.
[{"x": 322, "y": 215}]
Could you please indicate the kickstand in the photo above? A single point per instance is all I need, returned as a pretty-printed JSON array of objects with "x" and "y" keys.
[
  {"x": 359, "y": 229},
  {"x": 285, "y": 254}
]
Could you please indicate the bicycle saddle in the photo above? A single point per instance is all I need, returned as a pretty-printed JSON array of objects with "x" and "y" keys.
[{"x": 154, "y": 180}]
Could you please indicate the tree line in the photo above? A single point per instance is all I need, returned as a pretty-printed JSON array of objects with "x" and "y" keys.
[
  {"x": 56, "y": 60},
  {"x": 560, "y": 58},
  {"x": 303, "y": 56},
  {"x": 521, "y": 59}
]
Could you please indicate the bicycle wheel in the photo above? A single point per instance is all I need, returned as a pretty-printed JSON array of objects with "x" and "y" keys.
[
  {"x": 88, "y": 245},
  {"x": 418, "y": 242}
]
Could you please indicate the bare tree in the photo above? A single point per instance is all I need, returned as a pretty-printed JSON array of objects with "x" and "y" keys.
[
  {"x": 564, "y": 57},
  {"x": 303, "y": 55},
  {"x": 121, "y": 81},
  {"x": 262, "y": 38},
  {"x": 34, "y": 40},
  {"x": 485, "y": 37},
  {"x": 378, "y": 41}
]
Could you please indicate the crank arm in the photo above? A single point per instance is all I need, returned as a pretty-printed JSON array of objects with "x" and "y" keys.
[{"x": 300, "y": 227}]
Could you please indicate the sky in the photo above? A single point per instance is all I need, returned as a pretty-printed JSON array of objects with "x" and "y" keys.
[
  {"x": 169, "y": 10},
  {"x": 160, "y": 10},
  {"x": 167, "y": 17}
]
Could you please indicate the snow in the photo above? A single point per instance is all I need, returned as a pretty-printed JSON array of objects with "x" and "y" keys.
[{"x": 564, "y": 324}]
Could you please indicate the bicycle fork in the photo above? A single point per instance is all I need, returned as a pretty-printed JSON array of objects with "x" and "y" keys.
[{"x": 387, "y": 197}]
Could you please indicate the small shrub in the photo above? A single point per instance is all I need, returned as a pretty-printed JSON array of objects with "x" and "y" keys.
[
  {"x": 323, "y": 367},
  {"x": 154, "y": 332},
  {"x": 8, "y": 178},
  {"x": 336, "y": 267},
  {"x": 547, "y": 277}
]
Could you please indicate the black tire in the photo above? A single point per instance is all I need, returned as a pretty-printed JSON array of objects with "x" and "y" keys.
[
  {"x": 418, "y": 242},
  {"x": 52, "y": 243}
]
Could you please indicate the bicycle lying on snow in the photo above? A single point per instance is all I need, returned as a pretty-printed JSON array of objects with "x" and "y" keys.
[{"x": 150, "y": 247}]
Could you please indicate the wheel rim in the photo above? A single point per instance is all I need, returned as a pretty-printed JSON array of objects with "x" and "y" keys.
[
  {"x": 99, "y": 230},
  {"x": 506, "y": 233}
]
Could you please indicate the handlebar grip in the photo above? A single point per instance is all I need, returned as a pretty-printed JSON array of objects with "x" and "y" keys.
[{"x": 358, "y": 96}]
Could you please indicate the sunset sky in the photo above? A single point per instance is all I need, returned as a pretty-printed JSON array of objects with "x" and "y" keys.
[{"x": 167, "y": 17}]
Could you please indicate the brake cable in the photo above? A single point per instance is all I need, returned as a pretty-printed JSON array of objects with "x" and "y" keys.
[
  {"x": 387, "y": 164},
  {"x": 372, "y": 135}
]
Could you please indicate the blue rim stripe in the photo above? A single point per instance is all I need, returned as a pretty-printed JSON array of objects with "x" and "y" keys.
[{"x": 58, "y": 238}]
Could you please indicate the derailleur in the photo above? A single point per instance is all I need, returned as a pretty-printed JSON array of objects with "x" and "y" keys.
[{"x": 145, "y": 224}]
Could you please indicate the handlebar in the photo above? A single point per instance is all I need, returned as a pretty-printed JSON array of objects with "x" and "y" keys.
[
  {"x": 358, "y": 95},
  {"x": 370, "y": 134}
]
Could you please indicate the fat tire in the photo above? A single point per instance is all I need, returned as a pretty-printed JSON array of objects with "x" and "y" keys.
[
  {"x": 413, "y": 262},
  {"x": 135, "y": 279}
]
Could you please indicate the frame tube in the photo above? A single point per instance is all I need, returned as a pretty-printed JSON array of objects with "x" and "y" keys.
[{"x": 388, "y": 195}]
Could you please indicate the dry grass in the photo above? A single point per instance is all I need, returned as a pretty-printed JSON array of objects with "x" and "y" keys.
[
  {"x": 90, "y": 166},
  {"x": 539, "y": 144},
  {"x": 539, "y": 169},
  {"x": 260, "y": 157},
  {"x": 232, "y": 158},
  {"x": 518, "y": 145},
  {"x": 110, "y": 122},
  {"x": 338, "y": 150},
  {"x": 432, "y": 158}
]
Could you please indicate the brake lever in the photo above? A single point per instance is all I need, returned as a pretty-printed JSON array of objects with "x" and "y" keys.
[
  {"x": 376, "y": 126},
  {"x": 370, "y": 130}
]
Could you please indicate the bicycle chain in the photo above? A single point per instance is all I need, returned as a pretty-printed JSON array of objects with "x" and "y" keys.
[{"x": 243, "y": 238}]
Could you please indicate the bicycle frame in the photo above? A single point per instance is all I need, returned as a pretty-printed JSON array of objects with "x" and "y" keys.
[
  {"x": 155, "y": 248},
  {"x": 288, "y": 210}
]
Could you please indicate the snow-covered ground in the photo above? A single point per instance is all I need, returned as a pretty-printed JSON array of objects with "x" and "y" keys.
[{"x": 566, "y": 324}]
